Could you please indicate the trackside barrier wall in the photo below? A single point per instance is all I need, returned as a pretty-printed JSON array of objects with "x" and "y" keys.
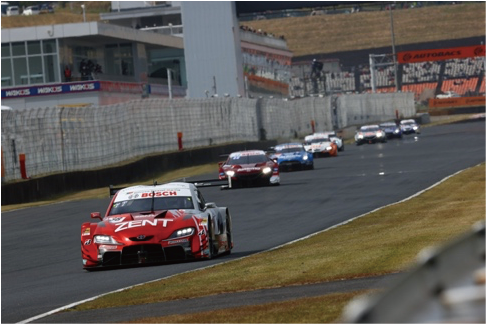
[
  {"x": 142, "y": 169},
  {"x": 84, "y": 138},
  {"x": 371, "y": 108}
]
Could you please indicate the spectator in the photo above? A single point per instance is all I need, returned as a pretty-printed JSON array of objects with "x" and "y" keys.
[
  {"x": 67, "y": 74},
  {"x": 83, "y": 69}
]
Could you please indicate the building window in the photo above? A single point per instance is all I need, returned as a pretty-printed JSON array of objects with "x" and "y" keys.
[
  {"x": 122, "y": 59},
  {"x": 33, "y": 48},
  {"x": 6, "y": 73},
  {"x": 51, "y": 68},
  {"x": 21, "y": 75},
  {"x": 32, "y": 62},
  {"x": 18, "y": 49},
  {"x": 85, "y": 61}
]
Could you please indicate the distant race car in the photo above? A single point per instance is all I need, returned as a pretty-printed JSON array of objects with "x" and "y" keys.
[
  {"x": 391, "y": 130},
  {"x": 409, "y": 126},
  {"x": 370, "y": 134},
  {"x": 320, "y": 145},
  {"x": 291, "y": 156},
  {"x": 156, "y": 224},
  {"x": 334, "y": 138},
  {"x": 249, "y": 168}
]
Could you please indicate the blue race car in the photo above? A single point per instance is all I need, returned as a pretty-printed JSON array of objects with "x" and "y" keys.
[
  {"x": 291, "y": 156},
  {"x": 391, "y": 130}
]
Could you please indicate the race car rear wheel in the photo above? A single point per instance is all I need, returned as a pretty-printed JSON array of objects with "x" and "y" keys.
[
  {"x": 229, "y": 238},
  {"x": 211, "y": 253}
]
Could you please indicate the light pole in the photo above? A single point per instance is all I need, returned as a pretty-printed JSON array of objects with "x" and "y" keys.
[
  {"x": 169, "y": 82},
  {"x": 393, "y": 50},
  {"x": 84, "y": 13}
]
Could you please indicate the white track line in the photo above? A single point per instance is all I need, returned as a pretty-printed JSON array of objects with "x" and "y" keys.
[{"x": 274, "y": 248}]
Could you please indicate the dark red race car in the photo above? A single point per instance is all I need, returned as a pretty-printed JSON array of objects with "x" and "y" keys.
[
  {"x": 248, "y": 168},
  {"x": 154, "y": 224}
]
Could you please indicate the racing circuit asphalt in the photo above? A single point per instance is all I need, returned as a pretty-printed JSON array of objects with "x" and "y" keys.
[{"x": 41, "y": 258}]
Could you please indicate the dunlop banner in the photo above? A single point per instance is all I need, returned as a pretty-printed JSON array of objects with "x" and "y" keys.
[
  {"x": 440, "y": 54},
  {"x": 457, "y": 102}
]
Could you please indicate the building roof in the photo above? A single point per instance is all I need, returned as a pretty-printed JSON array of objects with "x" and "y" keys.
[{"x": 95, "y": 32}]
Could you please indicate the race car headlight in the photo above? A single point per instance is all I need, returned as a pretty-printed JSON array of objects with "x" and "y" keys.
[
  {"x": 379, "y": 134},
  {"x": 328, "y": 148},
  {"x": 230, "y": 173},
  {"x": 415, "y": 127},
  {"x": 305, "y": 157},
  {"x": 360, "y": 136},
  {"x": 188, "y": 231},
  {"x": 105, "y": 239},
  {"x": 267, "y": 170},
  {"x": 396, "y": 131}
]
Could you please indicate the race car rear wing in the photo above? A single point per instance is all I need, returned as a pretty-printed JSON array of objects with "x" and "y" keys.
[{"x": 224, "y": 184}]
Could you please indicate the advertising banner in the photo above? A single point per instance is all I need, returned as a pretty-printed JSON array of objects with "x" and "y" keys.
[
  {"x": 51, "y": 89},
  {"x": 457, "y": 102},
  {"x": 440, "y": 54}
]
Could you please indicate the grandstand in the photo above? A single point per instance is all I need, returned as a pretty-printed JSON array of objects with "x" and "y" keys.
[{"x": 463, "y": 76}]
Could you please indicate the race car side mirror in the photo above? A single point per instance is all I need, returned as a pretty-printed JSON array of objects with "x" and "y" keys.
[
  {"x": 220, "y": 163},
  {"x": 210, "y": 205},
  {"x": 96, "y": 215}
]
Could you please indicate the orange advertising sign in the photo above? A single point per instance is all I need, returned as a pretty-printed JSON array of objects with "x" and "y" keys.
[
  {"x": 457, "y": 102},
  {"x": 440, "y": 54}
]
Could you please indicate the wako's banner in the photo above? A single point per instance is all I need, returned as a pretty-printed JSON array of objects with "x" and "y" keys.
[
  {"x": 440, "y": 54},
  {"x": 51, "y": 89}
]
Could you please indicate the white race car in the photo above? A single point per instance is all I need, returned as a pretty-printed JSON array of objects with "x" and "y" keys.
[
  {"x": 409, "y": 126},
  {"x": 334, "y": 138},
  {"x": 320, "y": 145}
]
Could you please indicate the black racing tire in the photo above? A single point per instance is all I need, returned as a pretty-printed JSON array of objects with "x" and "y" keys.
[
  {"x": 229, "y": 237},
  {"x": 210, "y": 240}
]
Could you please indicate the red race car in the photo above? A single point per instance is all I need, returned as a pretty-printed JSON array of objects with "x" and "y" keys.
[
  {"x": 247, "y": 168},
  {"x": 155, "y": 224}
]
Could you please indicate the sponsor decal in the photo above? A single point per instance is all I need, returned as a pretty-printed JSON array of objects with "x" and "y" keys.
[
  {"x": 178, "y": 241},
  {"x": 87, "y": 242},
  {"x": 140, "y": 223},
  {"x": 116, "y": 219},
  {"x": 48, "y": 90},
  {"x": 16, "y": 93},
  {"x": 108, "y": 247},
  {"x": 159, "y": 194},
  {"x": 248, "y": 169},
  {"x": 87, "y": 231}
]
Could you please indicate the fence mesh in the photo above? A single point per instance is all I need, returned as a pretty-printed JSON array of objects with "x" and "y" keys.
[{"x": 65, "y": 139}]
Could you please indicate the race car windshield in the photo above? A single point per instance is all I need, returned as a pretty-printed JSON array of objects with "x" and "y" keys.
[
  {"x": 145, "y": 205},
  {"x": 370, "y": 129},
  {"x": 247, "y": 159},
  {"x": 408, "y": 123},
  {"x": 318, "y": 140},
  {"x": 290, "y": 149}
]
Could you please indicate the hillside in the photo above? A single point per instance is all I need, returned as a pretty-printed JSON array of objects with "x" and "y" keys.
[
  {"x": 345, "y": 32},
  {"x": 326, "y": 33}
]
